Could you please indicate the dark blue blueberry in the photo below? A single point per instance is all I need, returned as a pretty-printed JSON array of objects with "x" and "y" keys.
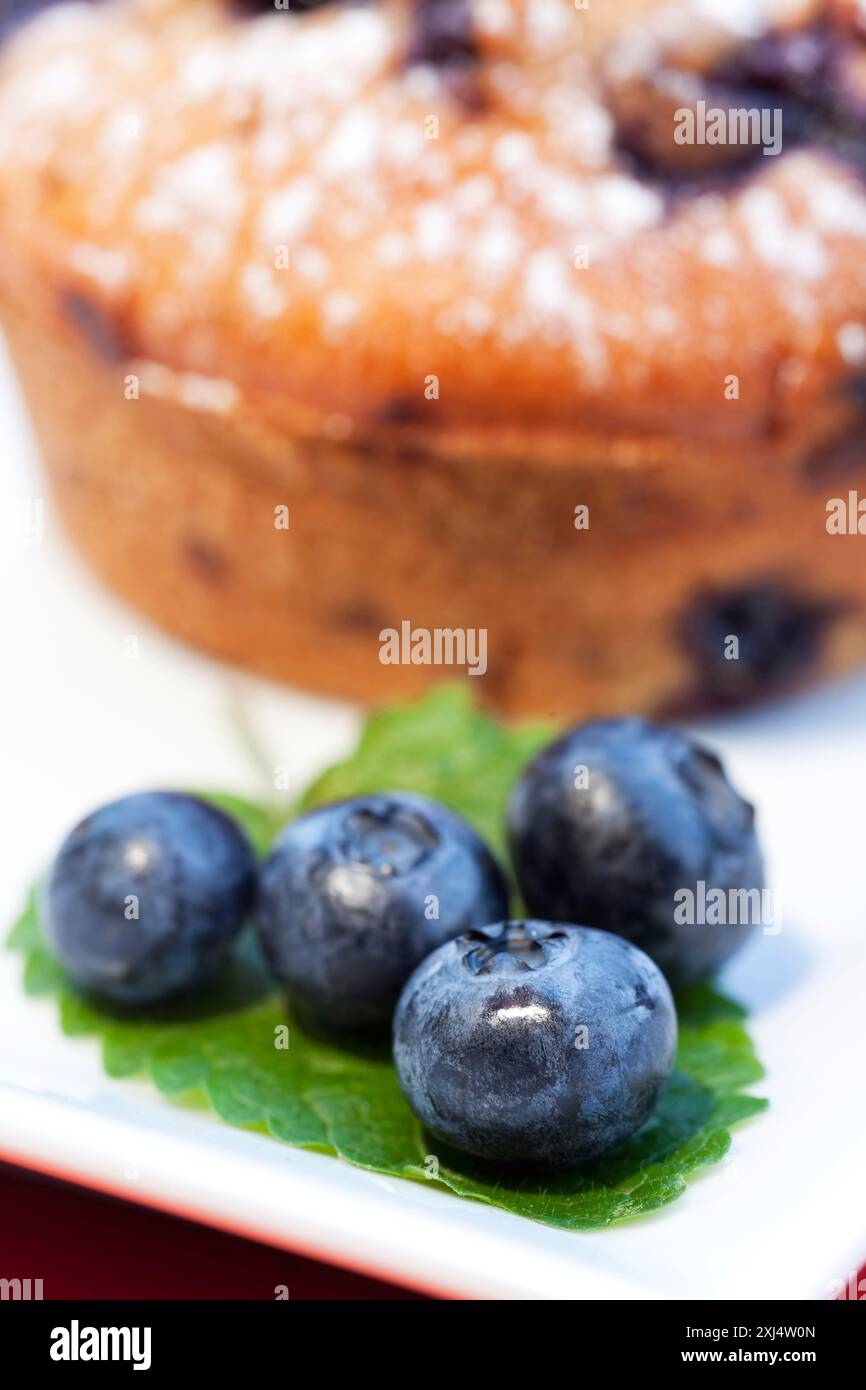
[
  {"x": 442, "y": 33},
  {"x": 146, "y": 895},
  {"x": 15, "y": 12},
  {"x": 355, "y": 894},
  {"x": 97, "y": 329},
  {"x": 536, "y": 1044},
  {"x": 804, "y": 72},
  {"x": 617, "y": 822},
  {"x": 780, "y": 636}
]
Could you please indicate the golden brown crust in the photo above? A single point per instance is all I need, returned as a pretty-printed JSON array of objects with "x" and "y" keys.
[
  {"x": 175, "y": 507},
  {"x": 161, "y": 163},
  {"x": 433, "y": 385}
]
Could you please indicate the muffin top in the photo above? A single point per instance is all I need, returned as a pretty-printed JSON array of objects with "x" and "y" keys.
[{"x": 466, "y": 219}]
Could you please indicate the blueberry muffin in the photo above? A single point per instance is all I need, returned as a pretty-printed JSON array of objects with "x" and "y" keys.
[{"x": 463, "y": 315}]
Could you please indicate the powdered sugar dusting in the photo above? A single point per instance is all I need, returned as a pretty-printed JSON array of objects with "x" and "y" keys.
[
  {"x": 214, "y": 395},
  {"x": 201, "y": 185},
  {"x": 283, "y": 178},
  {"x": 851, "y": 339},
  {"x": 109, "y": 269},
  {"x": 287, "y": 213}
]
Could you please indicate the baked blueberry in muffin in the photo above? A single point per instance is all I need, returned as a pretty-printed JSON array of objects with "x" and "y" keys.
[{"x": 428, "y": 282}]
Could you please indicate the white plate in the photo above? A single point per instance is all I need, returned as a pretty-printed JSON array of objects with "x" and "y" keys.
[{"x": 88, "y": 715}]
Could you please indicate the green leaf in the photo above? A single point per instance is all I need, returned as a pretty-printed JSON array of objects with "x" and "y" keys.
[
  {"x": 444, "y": 747},
  {"x": 226, "y": 1048}
]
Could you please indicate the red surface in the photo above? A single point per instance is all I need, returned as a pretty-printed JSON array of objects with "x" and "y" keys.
[{"x": 82, "y": 1245}]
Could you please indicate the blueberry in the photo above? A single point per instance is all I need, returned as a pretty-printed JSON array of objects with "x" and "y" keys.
[
  {"x": 16, "y": 12},
  {"x": 442, "y": 33},
  {"x": 618, "y": 822},
  {"x": 355, "y": 894},
  {"x": 532, "y": 1043},
  {"x": 780, "y": 637},
  {"x": 146, "y": 894}
]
